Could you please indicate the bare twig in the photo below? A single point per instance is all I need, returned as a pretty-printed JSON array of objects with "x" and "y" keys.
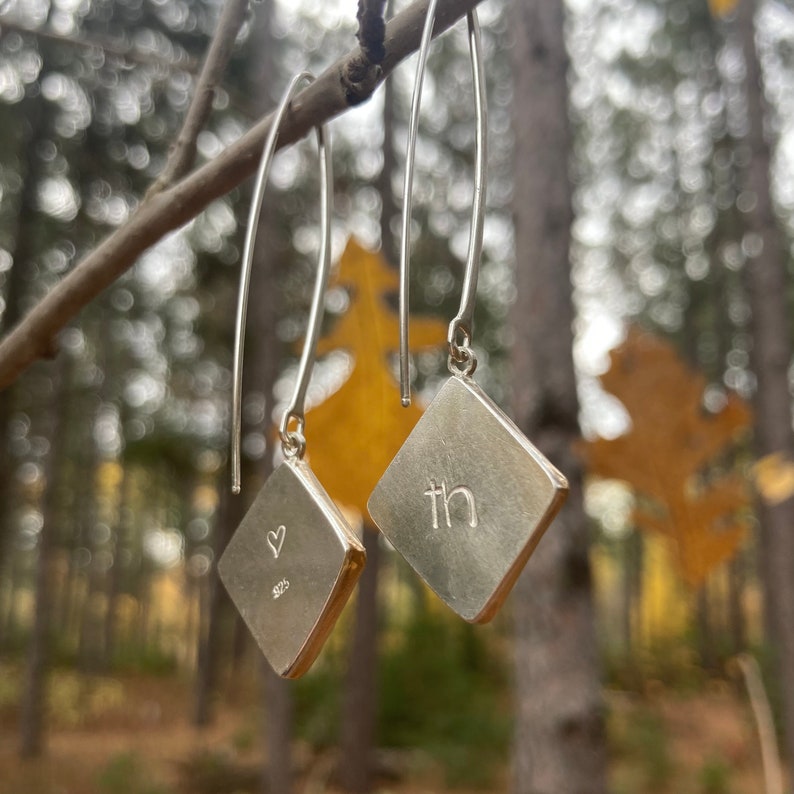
[
  {"x": 770, "y": 755},
  {"x": 126, "y": 53},
  {"x": 324, "y": 99},
  {"x": 182, "y": 156}
]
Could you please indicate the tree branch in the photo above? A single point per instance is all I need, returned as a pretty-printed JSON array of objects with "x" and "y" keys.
[
  {"x": 183, "y": 154},
  {"x": 327, "y": 97},
  {"x": 109, "y": 47}
]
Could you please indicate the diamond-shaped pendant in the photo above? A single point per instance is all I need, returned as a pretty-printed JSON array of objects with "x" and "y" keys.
[
  {"x": 466, "y": 499},
  {"x": 291, "y": 566}
]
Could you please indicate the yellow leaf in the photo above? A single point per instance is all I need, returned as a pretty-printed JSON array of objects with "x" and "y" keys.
[
  {"x": 352, "y": 437},
  {"x": 667, "y": 455},
  {"x": 774, "y": 478},
  {"x": 722, "y": 8}
]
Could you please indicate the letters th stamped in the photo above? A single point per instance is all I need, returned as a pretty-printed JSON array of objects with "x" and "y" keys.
[
  {"x": 435, "y": 491},
  {"x": 466, "y": 499}
]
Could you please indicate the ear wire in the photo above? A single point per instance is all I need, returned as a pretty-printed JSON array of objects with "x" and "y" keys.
[
  {"x": 293, "y": 441},
  {"x": 460, "y": 329}
]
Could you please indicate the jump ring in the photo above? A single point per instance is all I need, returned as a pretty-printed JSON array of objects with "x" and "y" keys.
[
  {"x": 293, "y": 445},
  {"x": 463, "y": 361},
  {"x": 459, "y": 341}
]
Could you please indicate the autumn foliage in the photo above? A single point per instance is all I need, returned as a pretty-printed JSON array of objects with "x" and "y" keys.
[
  {"x": 354, "y": 434},
  {"x": 674, "y": 455},
  {"x": 722, "y": 8}
]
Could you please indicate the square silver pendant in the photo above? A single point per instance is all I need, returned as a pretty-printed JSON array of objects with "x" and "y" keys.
[
  {"x": 466, "y": 500},
  {"x": 291, "y": 566}
]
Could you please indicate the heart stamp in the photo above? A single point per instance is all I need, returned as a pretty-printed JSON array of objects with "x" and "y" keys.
[{"x": 276, "y": 540}]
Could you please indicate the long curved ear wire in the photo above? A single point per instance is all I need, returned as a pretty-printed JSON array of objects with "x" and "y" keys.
[
  {"x": 293, "y": 441},
  {"x": 462, "y": 357},
  {"x": 467, "y": 497},
  {"x": 293, "y": 561}
]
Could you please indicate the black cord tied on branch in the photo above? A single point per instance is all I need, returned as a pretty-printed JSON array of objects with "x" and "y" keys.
[
  {"x": 372, "y": 29},
  {"x": 364, "y": 71}
]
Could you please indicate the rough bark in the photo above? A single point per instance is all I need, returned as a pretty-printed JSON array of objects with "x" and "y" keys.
[
  {"x": 559, "y": 734},
  {"x": 767, "y": 281}
]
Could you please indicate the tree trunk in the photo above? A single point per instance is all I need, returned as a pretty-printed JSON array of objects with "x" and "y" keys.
[
  {"x": 260, "y": 371},
  {"x": 279, "y": 709},
  {"x": 262, "y": 365},
  {"x": 116, "y": 573},
  {"x": 14, "y": 295},
  {"x": 356, "y": 765},
  {"x": 33, "y": 704},
  {"x": 705, "y": 628},
  {"x": 736, "y": 626},
  {"x": 631, "y": 595},
  {"x": 767, "y": 284},
  {"x": 559, "y": 734},
  {"x": 90, "y": 652},
  {"x": 359, "y": 716},
  {"x": 211, "y": 611}
]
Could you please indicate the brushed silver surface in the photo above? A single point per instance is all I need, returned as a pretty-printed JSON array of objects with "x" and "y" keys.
[
  {"x": 466, "y": 499},
  {"x": 291, "y": 566}
]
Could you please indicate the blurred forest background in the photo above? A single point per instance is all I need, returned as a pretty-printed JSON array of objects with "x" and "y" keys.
[{"x": 124, "y": 667}]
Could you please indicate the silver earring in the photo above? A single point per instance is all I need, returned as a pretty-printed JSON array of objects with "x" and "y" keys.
[
  {"x": 467, "y": 497},
  {"x": 293, "y": 561}
]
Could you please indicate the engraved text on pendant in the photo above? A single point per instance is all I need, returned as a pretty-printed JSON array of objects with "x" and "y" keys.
[{"x": 466, "y": 499}]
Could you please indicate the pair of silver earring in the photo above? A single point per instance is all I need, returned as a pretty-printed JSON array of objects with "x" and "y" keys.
[{"x": 465, "y": 500}]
